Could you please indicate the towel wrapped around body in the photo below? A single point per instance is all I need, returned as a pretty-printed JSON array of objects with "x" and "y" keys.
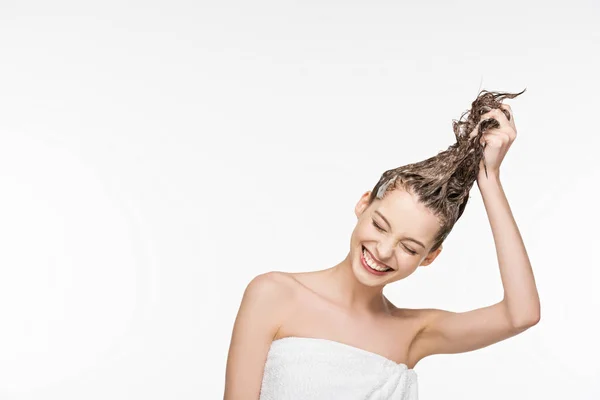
[{"x": 300, "y": 368}]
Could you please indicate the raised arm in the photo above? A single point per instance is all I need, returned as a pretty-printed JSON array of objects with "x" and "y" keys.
[
  {"x": 450, "y": 332},
  {"x": 256, "y": 324}
]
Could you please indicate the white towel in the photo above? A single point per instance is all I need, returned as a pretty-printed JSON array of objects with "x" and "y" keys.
[{"x": 299, "y": 368}]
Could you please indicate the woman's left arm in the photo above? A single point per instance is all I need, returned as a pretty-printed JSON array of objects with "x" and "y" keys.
[
  {"x": 520, "y": 292},
  {"x": 445, "y": 332}
]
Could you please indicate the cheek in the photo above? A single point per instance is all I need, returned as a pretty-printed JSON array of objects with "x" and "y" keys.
[
  {"x": 407, "y": 264},
  {"x": 362, "y": 233}
]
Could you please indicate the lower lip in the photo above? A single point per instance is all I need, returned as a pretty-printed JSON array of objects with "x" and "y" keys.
[{"x": 371, "y": 270}]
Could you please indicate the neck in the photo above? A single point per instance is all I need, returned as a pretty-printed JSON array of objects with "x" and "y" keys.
[{"x": 347, "y": 290}]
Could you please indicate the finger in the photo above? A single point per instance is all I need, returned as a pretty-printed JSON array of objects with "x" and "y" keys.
[
  {"x": 475, "y": 130},
  {"x": 510, "y": 111},
  {"x": 498, "y": 115},
  {"x": 497, "y": 136}
]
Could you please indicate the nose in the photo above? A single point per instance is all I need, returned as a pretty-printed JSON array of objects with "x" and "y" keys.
[{"x": 385, "y": 250}]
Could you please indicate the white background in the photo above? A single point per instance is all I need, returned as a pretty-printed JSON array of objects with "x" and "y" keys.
[{"x": 155, "y": 156}]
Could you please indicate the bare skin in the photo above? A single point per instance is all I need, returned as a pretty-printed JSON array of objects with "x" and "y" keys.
[
  {"x": 345, "y": 303},
  {"x": 314, "y": 313}
]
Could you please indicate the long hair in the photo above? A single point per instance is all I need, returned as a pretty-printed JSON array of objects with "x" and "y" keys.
[{"x": 443, "y": 182}]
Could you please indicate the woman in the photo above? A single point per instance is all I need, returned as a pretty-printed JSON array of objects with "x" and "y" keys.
[{"x": 332, "y": 334}]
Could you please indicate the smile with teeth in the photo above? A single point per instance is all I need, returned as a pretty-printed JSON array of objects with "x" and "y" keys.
[{"x": 373, "y": 264}]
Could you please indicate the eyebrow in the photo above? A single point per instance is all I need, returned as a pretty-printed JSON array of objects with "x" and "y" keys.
[{"x": 388, "y": 223}]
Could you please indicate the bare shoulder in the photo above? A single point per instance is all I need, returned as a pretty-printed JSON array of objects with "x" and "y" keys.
[
  {"x": 420, "y": 316},
  {"x": 270, "y": 288},
  {"x": 273, "y": 280},
  {"x": 267, "y": 281},
  {"x": 417, "y": 318},
  {"x": 262, "y": 311}
]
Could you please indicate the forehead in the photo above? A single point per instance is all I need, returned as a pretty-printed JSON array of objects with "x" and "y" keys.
[{"x": 407, "y": 215}]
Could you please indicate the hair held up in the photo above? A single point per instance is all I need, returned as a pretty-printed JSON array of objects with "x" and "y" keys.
[{"x": 443, "y": 182}]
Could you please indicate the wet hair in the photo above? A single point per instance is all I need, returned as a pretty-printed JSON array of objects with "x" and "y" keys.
[{"x": 443, "y": 182}]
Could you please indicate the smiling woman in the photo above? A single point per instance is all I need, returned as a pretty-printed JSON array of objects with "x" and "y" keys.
[
  {"x": 343, "y": 337},
  {"x": 396, "y": 230}
]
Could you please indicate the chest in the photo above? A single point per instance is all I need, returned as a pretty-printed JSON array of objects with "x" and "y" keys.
[{"x": 311, "y": 316}]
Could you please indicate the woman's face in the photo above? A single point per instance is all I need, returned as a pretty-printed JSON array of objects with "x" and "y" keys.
[{"x": 397, "y": 231}]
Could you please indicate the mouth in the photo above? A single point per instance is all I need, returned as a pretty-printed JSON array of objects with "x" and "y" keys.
[{"x": 374, "y": 267}]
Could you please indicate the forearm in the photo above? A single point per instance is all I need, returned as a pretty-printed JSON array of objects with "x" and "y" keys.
[{"x": 520, "y": 292}]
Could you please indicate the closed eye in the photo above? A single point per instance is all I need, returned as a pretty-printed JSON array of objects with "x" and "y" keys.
[
  {"x": 377, "y": 226},
  {"x": 410, "y": 251}
]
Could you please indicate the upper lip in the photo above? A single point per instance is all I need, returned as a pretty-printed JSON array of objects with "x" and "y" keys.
[{"x": 376, "y": 260}]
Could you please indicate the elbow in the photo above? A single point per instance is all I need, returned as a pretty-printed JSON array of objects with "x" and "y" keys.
[
  {"x": 525, "y": 317},
  {"x": 528, "y": 322}
]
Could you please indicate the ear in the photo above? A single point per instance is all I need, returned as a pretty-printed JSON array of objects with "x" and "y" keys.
[
  {"x": 362, "y": 204},
  {"x": 431, "y": 256}
]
